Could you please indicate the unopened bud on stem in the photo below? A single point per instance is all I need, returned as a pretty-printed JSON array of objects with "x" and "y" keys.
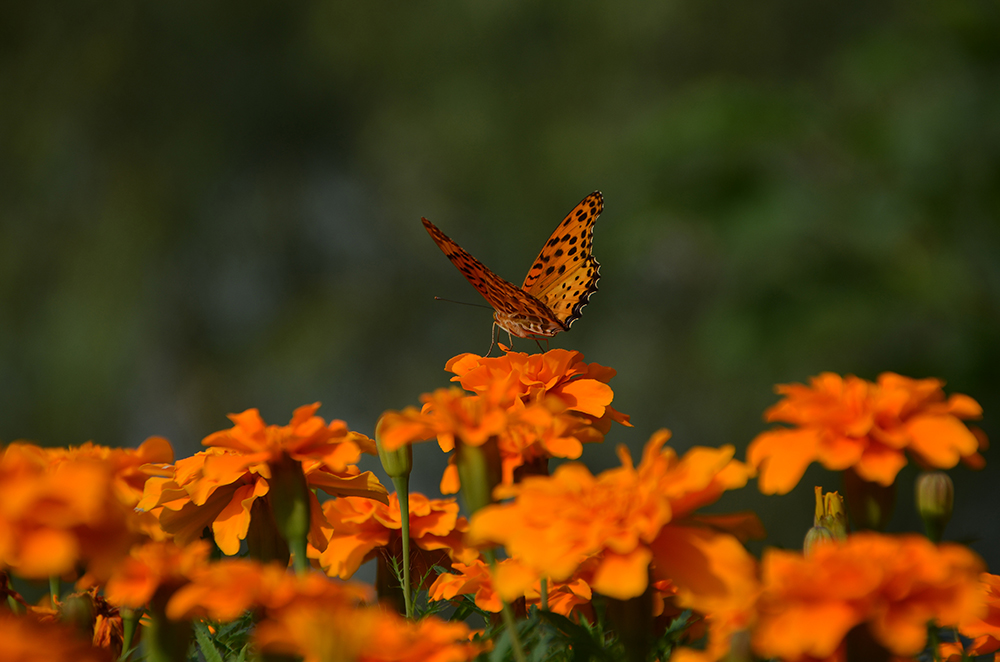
[{"x": 935, "y": 499}]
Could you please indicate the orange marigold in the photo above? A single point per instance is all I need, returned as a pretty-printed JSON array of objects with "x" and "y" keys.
[
  {"x": 360, "y": 528},
  {"x": 218, "y": 487},
  {"x": 629, "y": 518},
  {"x": 223, "y": 591},
  {"x": 566, "y": 598},
  {"x": 984, "y": 629},
  {"x": 155, "y": 569},
  {"x": 322, "y": 632},
  {"x": 56, "y": 515},
  {"x": 525, "y": 434},
  {"x": 847, "y": 422},
  {"x": 26, "y": 639},
  {"x": 895, "y": 584},
  {"x": 559, "y": 373},
  {"x": 428, "y": 640}
]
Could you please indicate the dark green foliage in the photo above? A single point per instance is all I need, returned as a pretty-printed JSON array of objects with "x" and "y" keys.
[{"x": 229, "y": 643}]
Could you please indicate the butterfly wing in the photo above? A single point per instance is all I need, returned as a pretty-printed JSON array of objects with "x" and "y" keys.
[
  {"x": 564, "y": 275},
  {"x": 507, "y": 300}
]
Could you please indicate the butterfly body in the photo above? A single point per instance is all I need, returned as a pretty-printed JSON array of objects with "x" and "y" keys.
[{"x": 559, "y": 284}]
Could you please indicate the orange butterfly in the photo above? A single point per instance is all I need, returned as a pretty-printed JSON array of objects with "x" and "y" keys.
[{"x": 558, "y": 285}]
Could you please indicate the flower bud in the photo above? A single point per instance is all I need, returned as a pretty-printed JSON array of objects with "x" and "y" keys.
[
  {"x": 479, "y": 470},
  {"x": 818, "y": 535},
  {"x": 935, "y": 498},
  {"x": 830, "y": 513},
  {"x": 396, "y": 463},
  {"x": 292, "y": 506}
]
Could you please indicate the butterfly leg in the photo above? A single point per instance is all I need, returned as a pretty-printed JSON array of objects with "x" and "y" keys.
[
  {"x": 538, "y": 342},
  {"x": 493, "y": 339}
]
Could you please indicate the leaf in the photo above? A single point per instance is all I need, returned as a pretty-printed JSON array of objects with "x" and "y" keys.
[{"x": 205, "y": 643}]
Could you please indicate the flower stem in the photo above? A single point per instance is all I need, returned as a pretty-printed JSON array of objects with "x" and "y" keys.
[
  {"x": 299, "y": 560},
  {"x": 544, "y": 592},
  {"x": 402, "y": 484},
  {"x": 129, "y": 618},
  {"x": 53, "y": 590},
  {"x": 508, "y": 615}
]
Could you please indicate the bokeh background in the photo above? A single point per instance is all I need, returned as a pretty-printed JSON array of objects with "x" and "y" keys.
[{"x": 206, "y": 207}]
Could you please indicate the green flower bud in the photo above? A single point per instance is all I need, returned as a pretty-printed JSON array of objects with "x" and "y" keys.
[
  {"x": 291, "y": 505},
  {"x": 935, "y": 499},
  {"x": 818, "y": 535},
  {"x": 396, "y": 463}
]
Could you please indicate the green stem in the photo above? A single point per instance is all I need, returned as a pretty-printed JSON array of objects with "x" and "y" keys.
[
  {"x": 54, "y": 585},
  {"x": 402, "y": 484},
  {"x": 129, "y": 618},
  {"x": 508, "y": 615},
  {"x": 544, "y": 592},
  {"x": 300, "y": 561}
]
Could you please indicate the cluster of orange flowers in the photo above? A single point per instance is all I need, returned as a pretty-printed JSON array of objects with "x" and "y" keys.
[
  {"x": 136, "y": 530},
  {"x": 850, "y": 423}
]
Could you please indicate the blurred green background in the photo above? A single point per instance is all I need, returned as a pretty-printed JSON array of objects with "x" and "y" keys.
[{"x": 206, "y": 207}]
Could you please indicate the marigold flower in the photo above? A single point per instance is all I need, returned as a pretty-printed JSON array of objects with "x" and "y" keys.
[
  {"x": 556, "y": 522},
  {"x": 525, "y": 434},
  {"x": 428, "y": 640},
  {"x": 57, "y": 515},
  {"x": 447, "y": 413},
  {"x": 360, "y": 528},
  {"x": 476, "y": 579},
  {"x": 88, "y": 612},
  {"x": 581, "y": 387},
  {"x": 27, "y": 639},
  {"x": 223, "y": 591},
  {"x": 218, "y": 487},
  {"x": 324, "y": 633},
  {"x": 985, "y": 628},
  {"x": 847, "y": 422},
  {"x": 156, "y": 568},
  {"x": 895, "y": 584},
  {"x": 628, "y": 518},
  {"x": 125, "y": 463}
]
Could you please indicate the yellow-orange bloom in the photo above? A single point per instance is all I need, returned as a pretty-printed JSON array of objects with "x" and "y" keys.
[
  {"x": 558, "y": 521},
  {"x": 630, "y": 518},
  {"x": 447, "y": 413},
  {"x": 428, "y": 640},
  {"x": 323, "y": 633},
  {"x": 895, "y": 584},
  {"x": 155, "y": 569},
  {"x": 362, "y": 527},
  {"x": 558, "y": 373},
  {"x": 223, "y": 591},
  {"x": 847, "y": 422},
  {"x": 476, "y": 579},
  {"x": 27, "y": 639},
  {"x": 536, "y": 407},
  {"x": 55, "y": 516},
  {"x": 306, "y": 437},
  {"x": 984, "y": 629},
  {"x": 218, "y": 487},
  {"x": 525, "y": 434}
]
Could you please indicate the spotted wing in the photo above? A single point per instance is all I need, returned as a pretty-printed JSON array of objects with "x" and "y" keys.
[
  {"x": 565, "y": 274},
  {"x": 501, "y": 294}
]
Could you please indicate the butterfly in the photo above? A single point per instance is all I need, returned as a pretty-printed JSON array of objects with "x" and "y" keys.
[{"x": 559, "y": 283}]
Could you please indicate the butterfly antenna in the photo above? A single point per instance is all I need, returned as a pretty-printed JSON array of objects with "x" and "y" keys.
[{"x": 462, "y": 303}]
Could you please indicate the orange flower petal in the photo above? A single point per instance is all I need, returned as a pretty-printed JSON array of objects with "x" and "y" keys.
[
  {"x": 781, "y": 456},
  {"x": 623, "y": 576},
  {"x": 941, "y": 440}
]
